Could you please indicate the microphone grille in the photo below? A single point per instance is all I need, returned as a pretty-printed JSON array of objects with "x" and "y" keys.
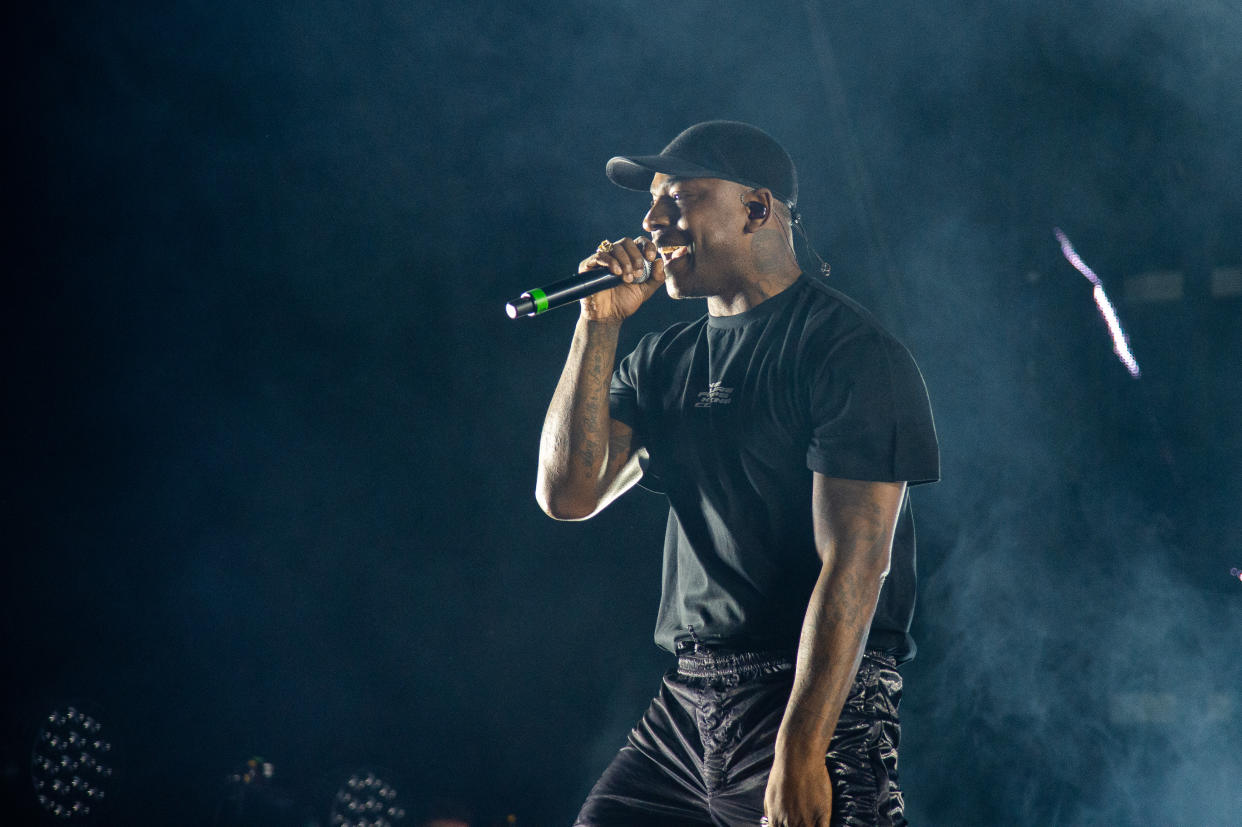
[{"x": 647, "y": 265}]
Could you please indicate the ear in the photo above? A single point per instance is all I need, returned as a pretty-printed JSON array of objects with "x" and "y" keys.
[{"x": 758, "y": 205}]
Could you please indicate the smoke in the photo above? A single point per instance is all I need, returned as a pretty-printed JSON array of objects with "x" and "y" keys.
[
  {"x": 1077, "y": 672},
  {"x": 1078, "y": 631},
  {"x": 268, "y": 378}
]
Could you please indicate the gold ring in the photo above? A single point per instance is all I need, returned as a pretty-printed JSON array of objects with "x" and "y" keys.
[{"x": 604, "y": 246}]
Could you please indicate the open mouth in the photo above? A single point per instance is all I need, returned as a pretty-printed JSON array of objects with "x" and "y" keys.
[{"x": 674, "y": 252}]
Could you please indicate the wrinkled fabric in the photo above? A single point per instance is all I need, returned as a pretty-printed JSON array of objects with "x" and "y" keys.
[
  {"x": 702, "y": 752},
  {"x": 732, "y": 412}
]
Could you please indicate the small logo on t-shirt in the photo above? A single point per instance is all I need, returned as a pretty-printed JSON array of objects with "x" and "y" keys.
[{"x": 714, "y": 395}]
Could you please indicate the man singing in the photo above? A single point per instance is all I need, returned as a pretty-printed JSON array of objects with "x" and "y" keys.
[{"x": 784, "y": 427}]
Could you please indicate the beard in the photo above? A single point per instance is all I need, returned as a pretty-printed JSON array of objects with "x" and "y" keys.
[{"x": 683, "y": 280}]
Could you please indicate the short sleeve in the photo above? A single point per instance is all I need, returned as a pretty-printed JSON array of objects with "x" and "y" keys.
[
  {"x": 624, "y": 406},
  {"x": 870, "y": 415}
]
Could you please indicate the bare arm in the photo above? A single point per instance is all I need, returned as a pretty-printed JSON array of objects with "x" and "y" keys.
[
  {"x": 854, "y": 524},
  {"x": 586, "y": 459}
]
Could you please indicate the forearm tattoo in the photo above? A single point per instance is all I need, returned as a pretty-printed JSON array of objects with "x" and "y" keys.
[{"x": 597, "y": 377}]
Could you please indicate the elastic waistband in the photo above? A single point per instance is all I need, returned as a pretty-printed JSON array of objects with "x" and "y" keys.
[{"x": 702, "y": 662}]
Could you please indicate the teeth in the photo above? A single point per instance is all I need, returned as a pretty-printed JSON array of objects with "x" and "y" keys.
[{"x": 673, "y": 251}]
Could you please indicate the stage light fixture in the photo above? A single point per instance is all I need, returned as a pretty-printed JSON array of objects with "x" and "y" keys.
[
  {"x": 72, "y": 765},
  {"x": 256, "y": 771},
  {"x": 365, "y": 799}
]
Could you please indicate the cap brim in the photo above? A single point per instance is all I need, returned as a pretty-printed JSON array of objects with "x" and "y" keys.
[{"x": 635, "y": 172}]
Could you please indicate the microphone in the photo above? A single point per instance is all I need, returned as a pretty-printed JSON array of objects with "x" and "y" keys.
[{"x": 567, "y": 291}]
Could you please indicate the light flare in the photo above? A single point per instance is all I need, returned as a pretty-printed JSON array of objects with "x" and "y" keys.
[{"x": 1121, "y": 342}]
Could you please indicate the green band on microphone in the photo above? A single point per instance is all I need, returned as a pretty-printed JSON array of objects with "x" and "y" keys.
[{"x": 541, "y": 300}]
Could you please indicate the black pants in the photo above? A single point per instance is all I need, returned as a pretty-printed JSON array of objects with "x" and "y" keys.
[{"x": 702, "y": 752}]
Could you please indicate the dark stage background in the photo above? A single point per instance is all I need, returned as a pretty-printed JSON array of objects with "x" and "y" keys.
[{"x": 270, "y": 438}]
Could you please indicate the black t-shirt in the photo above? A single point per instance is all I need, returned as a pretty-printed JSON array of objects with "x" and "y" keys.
[{"x": 735, "y": 413}]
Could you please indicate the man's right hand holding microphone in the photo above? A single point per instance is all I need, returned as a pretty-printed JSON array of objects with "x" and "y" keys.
[{"x": 627, "y": 258}]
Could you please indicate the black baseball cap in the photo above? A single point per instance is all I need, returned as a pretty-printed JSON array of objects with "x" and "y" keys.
[{"x": 731, "y": 150}]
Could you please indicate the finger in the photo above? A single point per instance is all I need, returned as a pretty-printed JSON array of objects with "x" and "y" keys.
[
  {"x": 657, "y": 272},
  {"x": 654, "y": 283},
  {"x": 622, "y": 257},
  {"x": 629, "y": 256},
  {"x": 651, "y": 254},
  {"x": 603, "y": 261},
  {"x": 648, "y": 248}
]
